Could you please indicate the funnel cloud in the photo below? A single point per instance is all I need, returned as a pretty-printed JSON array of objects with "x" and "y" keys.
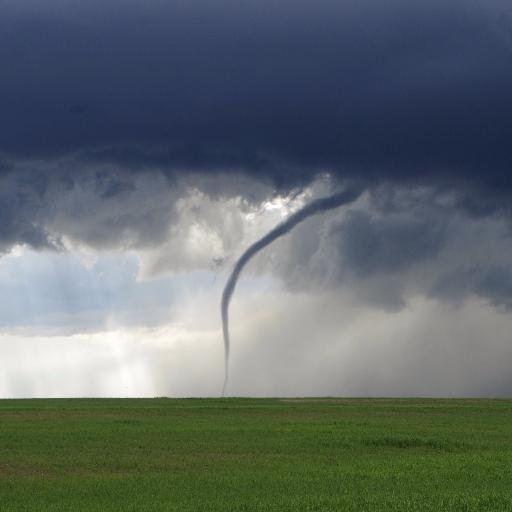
[{"x": 318, "y": 206}]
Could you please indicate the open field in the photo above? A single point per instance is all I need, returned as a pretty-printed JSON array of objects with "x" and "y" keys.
[{"x": 255, "y": 454}]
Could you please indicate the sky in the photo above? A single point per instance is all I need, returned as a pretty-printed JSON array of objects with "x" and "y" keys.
[{"x": 144, "y": 145}]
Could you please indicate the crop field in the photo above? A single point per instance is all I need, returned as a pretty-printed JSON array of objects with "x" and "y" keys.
[{"x": 255, "y": 455}]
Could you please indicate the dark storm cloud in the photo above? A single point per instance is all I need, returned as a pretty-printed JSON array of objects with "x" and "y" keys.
[
  {"x": 405, "y": 93},
  {"x": 398, "y": 245},
  {"x": 492, "y": 283},
  {"x": 372, "y": 245},
  {"x": 21, "y": 201},
  {"x": 389, "y": 233},
  {"x": 415, "y": 90},
  {"x": 40, "y": 202}
]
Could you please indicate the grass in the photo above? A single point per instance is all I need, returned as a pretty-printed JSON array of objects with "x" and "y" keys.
[{"x": 255, "y": 455}]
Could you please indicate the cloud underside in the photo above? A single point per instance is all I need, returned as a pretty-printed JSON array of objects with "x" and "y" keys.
[
  {"x": 271, "y": 93},
  {"x": 275, "y": 93},
  {"x": 390, "y": 246}
]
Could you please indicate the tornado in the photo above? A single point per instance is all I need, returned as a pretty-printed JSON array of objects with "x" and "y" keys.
[{"x": 317, "y": 206}]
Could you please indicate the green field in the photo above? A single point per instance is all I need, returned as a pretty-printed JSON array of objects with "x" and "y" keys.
[{"x": 255, "y": 454}]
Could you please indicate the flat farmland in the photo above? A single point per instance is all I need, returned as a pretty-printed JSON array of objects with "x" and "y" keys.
[{"x": 324, "y": 454}]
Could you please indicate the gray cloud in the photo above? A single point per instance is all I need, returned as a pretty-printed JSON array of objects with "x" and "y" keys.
[
  {"x": 398, "y": 243},
  {"x": 490, "y": 282},
  {"x": 403, "y": 91},
  {"x": 161, "y": 128},
  {"x": 21, "y": 219},
  {"x": 112, "y": 113},
  {"x": 386, "y": 245},
  {"x": 388, "y": 254},
  {"x": 105, "y": 207}
]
